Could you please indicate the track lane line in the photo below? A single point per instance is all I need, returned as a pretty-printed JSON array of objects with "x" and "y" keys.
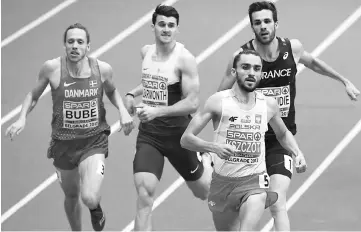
[
  {"x": 104, "y": 48},
  {"x": 345, "y": 141},
  {"x": 37, "y": 22}
]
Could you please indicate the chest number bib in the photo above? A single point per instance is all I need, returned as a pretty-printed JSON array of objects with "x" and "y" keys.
[
  {"x": 155, "y": 90},
  {"x": 282, "y": 95},
  {"x": 247, "y": 145},
  {"x": 81, "y": 115}
]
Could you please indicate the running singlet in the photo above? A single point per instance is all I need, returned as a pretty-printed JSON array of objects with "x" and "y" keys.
[
  {"x": 162, "y": 87},
  {"x": 244, "y": 129},
  {"x": 78, "y": 108},
  {"x": 279, "y": 81}
]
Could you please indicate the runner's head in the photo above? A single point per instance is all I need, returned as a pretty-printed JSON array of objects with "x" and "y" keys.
[
  {"x": 165, "y": 23},
  {"x": 264, "y": 22},
  {"x": 76, "y": 42},
  {"x": 247, "y": 68}
]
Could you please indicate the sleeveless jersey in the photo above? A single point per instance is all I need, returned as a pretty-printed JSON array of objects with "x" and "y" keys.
[
  {"x": 279, "y": 81},
  {"x": 244, "y": 129},
  {"x": 78, "y": 108},
  {"x": 162, "y": 87}
]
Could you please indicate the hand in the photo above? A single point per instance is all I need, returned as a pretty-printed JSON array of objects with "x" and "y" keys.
[
  {"x": 15, "y": 128},
  {"x": 129, "y": 104},
  {"x": 147, "y": 113},
  {"x": 126, "y": 123},
  {"x": 224, "y": 151},
  {"x": 352, "y": 91},
  {"x": 300, "y": 163}
]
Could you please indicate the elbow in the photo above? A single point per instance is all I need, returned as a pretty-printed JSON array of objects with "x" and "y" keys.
[
  {"x": 184, "y": 141},
  {"x": 194, "y": 104}
]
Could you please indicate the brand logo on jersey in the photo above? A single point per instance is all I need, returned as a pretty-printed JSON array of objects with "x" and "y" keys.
[
  {"x": 233, "y": 118},
  {"x": 277, "y": 73},
  {"x": 68, "y": 84},
  {"x": 258, "y": 118},
  {"x": 257, "y": 136},
  {"x": 285, "y": 55},
  {"x": 247, "y": 120},
  {"x": 93, "y": 83}
]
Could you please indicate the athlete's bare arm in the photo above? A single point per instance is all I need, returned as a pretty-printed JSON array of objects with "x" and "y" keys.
[
  {"x": 112, "y": 93},
  {"x": 284, "y": 136},
  {"x": 31, "y": 99},
  {"x": 212, "y": 111},
  {"x": 190, "y": 88},
  {"x": 138, "y": 90},
  {"x": 228, "y": 79},
  {"x": 321, "y": 67}
]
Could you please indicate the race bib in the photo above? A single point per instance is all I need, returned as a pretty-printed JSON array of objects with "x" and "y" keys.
[
  {"x": 282, "y": 95},
  {"x": 80, "y": 115},
  {"x": 264, "y": 180},
  {"x": 247, "y": 144},
  {"x": 155, "y": 90}
]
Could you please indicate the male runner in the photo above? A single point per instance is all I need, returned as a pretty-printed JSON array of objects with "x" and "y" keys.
[
  {"x": 169, "y": 89},
  {"x": 280, "y": 58},
  {"x": 79, "y": 144},
  {"x": 240, "y": 115}
]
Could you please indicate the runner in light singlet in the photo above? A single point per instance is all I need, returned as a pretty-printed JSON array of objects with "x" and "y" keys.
[
  {"x": 238, "y": 193},
  {"x": 79, "y": 139},
  {"x": 280, "y": 57},
  {"x": 169, "y": 89}
]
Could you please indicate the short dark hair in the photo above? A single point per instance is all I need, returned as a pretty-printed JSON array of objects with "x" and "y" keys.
[
  {"x": 79, "y": 26},
  {"x": 264, "y": 5},
  {"x": 244, "y": 52},
  {"x": 167, "y": 11}
]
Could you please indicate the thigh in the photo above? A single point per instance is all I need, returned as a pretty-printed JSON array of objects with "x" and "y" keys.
[
  {"x": 278, "y": 160},
  {"x": 147, "y": 157},
  {"x": 145, "y": 183},
  {"x": 187, "y": 163},
  {"x": 69, "y": 181},
  {"x": 280, "y": 185},
  {"x": 92, "y": 171},
  {"x": 226, "y": 221},
  {"x": 251, "y": 210}
]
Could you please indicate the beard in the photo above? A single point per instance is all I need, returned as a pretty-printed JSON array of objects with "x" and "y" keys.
[
  {"x": 272, "y": 35},
  {"x": 245, "y": 87}
]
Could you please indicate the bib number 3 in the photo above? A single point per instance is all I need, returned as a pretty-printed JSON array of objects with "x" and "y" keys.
[{"x": 264, "y": 180}]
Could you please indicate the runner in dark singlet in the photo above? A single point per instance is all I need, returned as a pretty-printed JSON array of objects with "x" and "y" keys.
[
  {"x": 79, "y": 139},
  {"x": 169, "y": 89},
  {"x": 280, "y": 58}
]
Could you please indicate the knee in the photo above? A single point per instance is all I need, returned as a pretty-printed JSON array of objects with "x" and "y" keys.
[
  {"x": 200, "y": 189},
  {"x": 145, "y": 196},
  {"x": 278, "y": 206},
  {"x": 90, "y": 199}
]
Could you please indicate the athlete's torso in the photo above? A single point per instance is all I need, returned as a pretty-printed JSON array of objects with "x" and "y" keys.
[
  {"x": 162, "y": 87},
  {"x": 279, "y": 81},
  {"x": 244, "y": 129},
  {"x": 78, "y": 108}
]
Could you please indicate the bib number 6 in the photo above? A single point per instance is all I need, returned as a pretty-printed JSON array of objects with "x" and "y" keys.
[{"x": 264, "y": 180}]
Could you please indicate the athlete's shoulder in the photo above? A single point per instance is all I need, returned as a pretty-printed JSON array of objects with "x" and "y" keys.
[
  {"x": 260, "y": 95},
  {"x": 104, "y": 68},
  {"x": 213, "y": 102},
  {"x": 296, "y": 46},
  {"x": 145, "y": 49},
  {"x": 184, "y": 52},
  {"x": 271, "y": 102},
  {"x": 50, "y": 66}
]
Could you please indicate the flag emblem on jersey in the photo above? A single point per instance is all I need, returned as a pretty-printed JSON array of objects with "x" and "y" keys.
[
  {"x": 258, "y": 118},
  {"x": 93, "y": 83}
]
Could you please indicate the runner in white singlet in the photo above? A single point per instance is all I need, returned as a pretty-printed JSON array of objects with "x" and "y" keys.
[{"x": 238, "y": 193}]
